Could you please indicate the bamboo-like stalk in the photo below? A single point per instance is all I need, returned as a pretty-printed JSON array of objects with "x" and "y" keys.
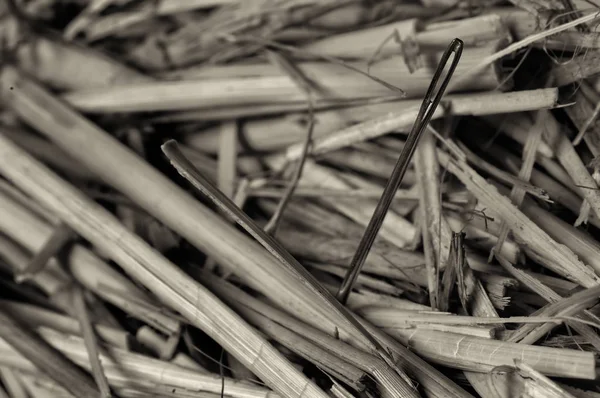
[
  {"x": 181, "y": 212},
  {"x": 89, "y": 270},
  {"x": 169, "y": 283},
  {"x": 482, "y": 355},
  {"x": 128, "y": 369},
  {"x": 488, "y": 103},
  {"x": 275, "y": 86},
  {"x": 35, "y": 316}
]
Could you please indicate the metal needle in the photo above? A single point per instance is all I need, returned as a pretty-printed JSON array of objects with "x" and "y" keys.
[{"x": 428, "y": 107}]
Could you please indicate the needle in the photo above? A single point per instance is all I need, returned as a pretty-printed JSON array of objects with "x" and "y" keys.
[{"x": 428, "y": 107}]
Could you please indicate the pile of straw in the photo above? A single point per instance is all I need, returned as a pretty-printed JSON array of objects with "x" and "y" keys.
[{"x": 184, "y": 183}]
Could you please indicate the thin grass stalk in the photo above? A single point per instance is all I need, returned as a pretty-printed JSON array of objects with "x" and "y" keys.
[
  {"x": 276, "y": 132},
  {"x": 181, "y": 212},
  {"x": 46, "y": 358},
  {"x": 86, "y": 267},
  {"x": 535, "y": 284},
  {"x": 436, "y": 231},
  {"x": 169, "y": 283},
  {"x": 91, "y": 342},
  {"x": 570, "y": 160},
  {"x": 35, "y": 316},
  {"x": 561, "y": 259},
  {"x": 391, "y": 382},
  {"x": 432, "y": 380},
  {"x": 11, "y": 381},
  {"x": 129, "y": 369},
  {"x": 488, "y": 103},
  {"x": 62, "y": 64},
  {"x": 276, "y": 87},
  {"x": 569, "y": 306},
  {"x": 538, "y": 385},
  {"x": 482, "y": 355}
]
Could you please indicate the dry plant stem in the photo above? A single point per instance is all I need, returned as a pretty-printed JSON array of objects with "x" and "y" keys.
[
  {"x": 187, "y": 170},
  {"x": 565, "y": 307},
  {"x": 297, "y": 343},
  {"x": 228, "y": 147},
  {"x": 185, "y": 215},
  {"x": 560, "y": 258},
  {"x": 482, "y": 355},
  {"x": 273, "y": 223},
  {"x": 124, "y": 368},
  {"x": 366, "y": 362},
  {"x": 93, "y": 273},
  {"x": 434, "y": 382},
  {"x": 12, "y": 383},
  {"x": 60, "y": 237},
  {"x": 159, "y": 275},
  {"x": 395, "y": 229},
  {"x": 521, "y": 44},
  {"x": 435, "y": 227},
  {"x": 384, "y": 260},
  {"x": 570, "y": 160},
  {"x": 47, "y": 152},
  {"x": 90, "y": 341},
  {"x": 517, "y": 194},
  {"x": 45, "y": 358},
  {"x": 61, "y": 64},
  {"x": 34, "y": 317},
  {"x": 543, "y": 386},
  {"x": 465, "y": 105},
  {"x": 277, "y": 132},
  {"x": 276, "y": 87},
  {"x": 501, "y": 175},
  {"x": 54, "y": 282}
]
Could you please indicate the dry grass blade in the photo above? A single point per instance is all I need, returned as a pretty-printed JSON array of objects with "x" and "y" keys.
[
  {"x": 169, "y": 283},
  {"x": 91, "y": 342},
  {"x": 539, "y": 385},
  {"x": 61, "y": 236},
  {"x": 47, "y": 359},
  {"x": 307, "y": 86},
  {"x": 436, "y": 231},
  {"x": 517, "y": 194},
  {"x": 484, "y": 104},
  {"x": 560, "y": 258}
]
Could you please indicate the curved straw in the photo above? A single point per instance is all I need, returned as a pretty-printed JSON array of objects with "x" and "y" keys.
[{"x": 426, "y": 111}]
